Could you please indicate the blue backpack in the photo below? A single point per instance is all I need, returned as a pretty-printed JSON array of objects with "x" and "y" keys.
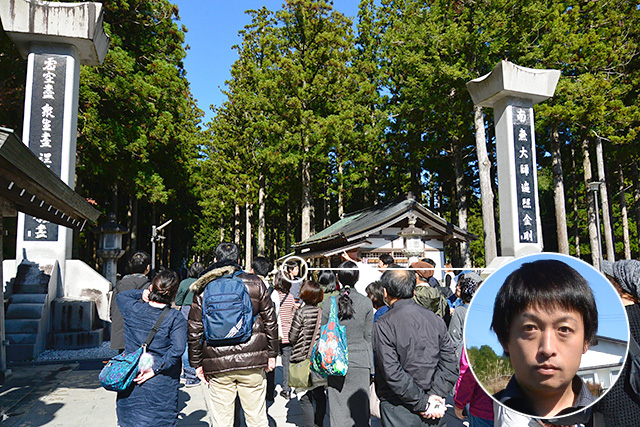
[{"x": 227, "y": 311}]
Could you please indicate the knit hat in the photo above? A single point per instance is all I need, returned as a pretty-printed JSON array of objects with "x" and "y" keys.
[
  {"x": 627, "y": 274},
  {"x": 472, "y": 275}
]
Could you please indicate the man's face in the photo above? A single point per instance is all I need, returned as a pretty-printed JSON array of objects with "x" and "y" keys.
[
  {"x": 295, "y": 270},
  {"x": 545, "y": 347},
  {"x": 381, "y": 265}
]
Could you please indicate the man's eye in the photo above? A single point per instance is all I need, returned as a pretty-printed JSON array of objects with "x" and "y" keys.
[
  {"x": 529, "y": 328},
  {"x": 565, "y": 330}
]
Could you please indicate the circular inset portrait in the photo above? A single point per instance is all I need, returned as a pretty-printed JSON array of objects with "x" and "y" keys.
[{"x": 546, "y": 336}]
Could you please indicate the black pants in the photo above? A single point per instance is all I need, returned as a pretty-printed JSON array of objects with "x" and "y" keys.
[
  {"x": 271, "y": 385},
  {"x": 310, "y": 417}
]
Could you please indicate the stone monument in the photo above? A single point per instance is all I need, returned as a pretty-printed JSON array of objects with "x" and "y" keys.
[
  {"x": 512, "y": 91},
  {"x": 56, "y": 38}
]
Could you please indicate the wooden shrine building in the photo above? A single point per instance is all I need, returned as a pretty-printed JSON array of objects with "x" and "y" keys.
[{"x": 404, "y": 229}]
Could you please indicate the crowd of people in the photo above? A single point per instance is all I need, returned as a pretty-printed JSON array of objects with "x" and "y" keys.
[{"x": 403, "y": 329}]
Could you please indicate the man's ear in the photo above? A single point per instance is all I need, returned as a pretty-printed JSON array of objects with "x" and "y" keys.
[
  {"x": 505, "y": 348},
  {"x": 585, "y": 348}
]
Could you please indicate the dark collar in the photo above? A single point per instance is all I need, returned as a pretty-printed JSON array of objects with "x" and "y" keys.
[
  {"x": 513, "y": 397},
  {"x": 401, "y": 302}
]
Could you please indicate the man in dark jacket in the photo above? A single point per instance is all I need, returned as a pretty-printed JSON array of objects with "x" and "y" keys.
[
  {"x": 415, "y": 366},
  {"x": 235, "y": 370},
  {"x": 139, "y": 265}
]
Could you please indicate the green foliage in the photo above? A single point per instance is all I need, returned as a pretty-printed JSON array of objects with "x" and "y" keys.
[
  {"x": 369, "y": 116},
  {"x": 491, "y": 370}
]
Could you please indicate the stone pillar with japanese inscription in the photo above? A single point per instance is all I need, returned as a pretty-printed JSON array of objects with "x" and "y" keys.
[
  {"x": 56, "y": 38},
  {"x": 512, "y": 91}
]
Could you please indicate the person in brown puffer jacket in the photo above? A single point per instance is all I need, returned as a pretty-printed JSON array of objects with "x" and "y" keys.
[
  {"x": 235, "y": 370},
  {"x": 304, "y": 332}
]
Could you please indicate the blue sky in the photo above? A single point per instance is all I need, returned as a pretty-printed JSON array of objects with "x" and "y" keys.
[
  {"x": 612, "y": 321},
  {"x": 213, "y": 29}
]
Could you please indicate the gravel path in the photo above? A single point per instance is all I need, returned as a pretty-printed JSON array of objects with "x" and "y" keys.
[{"x": 102, "y": 352}]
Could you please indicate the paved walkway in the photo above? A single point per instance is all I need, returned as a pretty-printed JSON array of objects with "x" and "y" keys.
[{"x": 68, "y": 394}]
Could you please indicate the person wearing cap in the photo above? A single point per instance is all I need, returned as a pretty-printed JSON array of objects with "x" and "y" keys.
[
  {"x": 427, "y": 296},
  {"x": 621, "y": 406}
]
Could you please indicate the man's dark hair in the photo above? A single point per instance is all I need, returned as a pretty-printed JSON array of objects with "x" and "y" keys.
[
  {"x": 386, "y": 259},
  {"x": 139, "y": 262},
  {"x": 195, "y": 270},
  {"x": 261, "y": 266},
  {"x": 429, "y": 261},
  {"x": 544, "y": 284},
  {"x": 375, "y": 293},
  {"x": 227, "y": 251},
  {"x": 399, "y": 283}
]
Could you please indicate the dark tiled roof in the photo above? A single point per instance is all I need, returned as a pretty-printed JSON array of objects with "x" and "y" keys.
[{"x": 358, "y": 224}]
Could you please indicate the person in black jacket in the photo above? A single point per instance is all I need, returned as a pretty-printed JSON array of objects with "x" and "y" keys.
[
  {"x": 139, "y": 265},
  {"x": 411, "y": 380}
]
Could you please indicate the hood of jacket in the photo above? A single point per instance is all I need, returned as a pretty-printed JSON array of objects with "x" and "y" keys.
[{"x": 199, "y": 285}]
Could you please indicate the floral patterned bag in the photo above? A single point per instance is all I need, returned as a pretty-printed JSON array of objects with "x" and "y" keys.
[{"x": 330, "y": 356}]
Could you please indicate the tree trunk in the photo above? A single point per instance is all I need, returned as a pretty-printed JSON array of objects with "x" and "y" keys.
[
  {"x": 636, "y": 197},
  {"x": 461, "y": 196},
  {"x": 287, "y": 230},
  {"x": 248, "y": 249},
  {"x": 236, "y": 222},
  {"x": 305, "y": 230},
  {"x": 591, "y": 211},
  {"x": 133, "y": 220},
  {"x": 326, "y": 221},
  {"x": 486, "y": 194},
  {"x": 623, "y": 213},
  {"x": 340, "y": 190},
  {"x": 558, "y": 192},
  {"x": 114, "y": 199},
  {"x": 604, "y": 199},
  {"x": 262, "y": 204},
  {"x": 574, "y": 203}
]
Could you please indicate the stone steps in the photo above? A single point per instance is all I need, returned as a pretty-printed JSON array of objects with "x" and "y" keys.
[{"x": 24, "y": 311}]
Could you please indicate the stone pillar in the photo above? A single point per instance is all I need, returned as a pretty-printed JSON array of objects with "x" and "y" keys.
[
  {"x": 56, "y": 38},
  {"x": 512, "y": 91}
]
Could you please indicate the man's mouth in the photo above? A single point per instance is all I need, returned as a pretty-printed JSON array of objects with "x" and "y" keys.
[{"x": 547, "y": 369}]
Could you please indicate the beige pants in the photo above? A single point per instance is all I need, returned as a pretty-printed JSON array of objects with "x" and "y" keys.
[{"x": 250, "y": 385}]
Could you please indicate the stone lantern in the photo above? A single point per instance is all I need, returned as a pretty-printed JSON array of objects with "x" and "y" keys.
[
  {"x": 413, "y": 244},
  {"x": 110, "y": 247}
]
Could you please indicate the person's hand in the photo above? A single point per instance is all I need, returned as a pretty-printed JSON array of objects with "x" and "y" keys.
[
  {"x": 200, "y": 375},
  {"x": 459, "y": 413},
  {"x": 436, "y": 408},
  {"x": 143, "y": 376},
  {"x": 272, "y": 364},
  {"x": 345, "y": 256},
  {"x": 145, "y": 294}
]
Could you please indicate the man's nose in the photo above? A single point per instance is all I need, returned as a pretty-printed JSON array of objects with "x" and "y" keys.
[{"x": 547, "y": 343}]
